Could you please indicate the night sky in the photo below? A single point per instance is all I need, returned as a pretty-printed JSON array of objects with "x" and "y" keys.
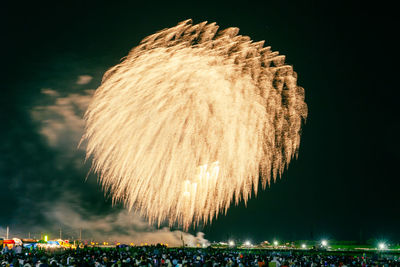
[{"x": 343, "y": 185}]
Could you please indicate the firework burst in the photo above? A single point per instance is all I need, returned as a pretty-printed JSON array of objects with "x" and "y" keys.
[{"x": 191, "y": 120}]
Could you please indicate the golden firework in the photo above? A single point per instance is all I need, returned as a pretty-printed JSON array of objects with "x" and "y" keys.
[{"x": 191, "y": 120}]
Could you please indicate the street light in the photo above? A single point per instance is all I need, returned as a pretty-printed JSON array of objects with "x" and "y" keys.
[
  {"x": 231, "y": 243},
  {"x": 276, "y": 243},
  {"x": 247, "y": 243},
  {"x": 303, "y": 245},
  {"x": 324, "y": 243},
  {"x": 382, "y": 246}
]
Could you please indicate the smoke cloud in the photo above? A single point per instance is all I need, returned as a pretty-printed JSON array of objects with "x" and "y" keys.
[{"x": 84, "y": 79}]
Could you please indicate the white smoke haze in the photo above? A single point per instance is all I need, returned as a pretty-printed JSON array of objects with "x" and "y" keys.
[
  {"x": 84, "y": 79},
  {"x": 188, "y": 121},
  {"x": 50, "y": 92},
  {"x": 123, "y": 227},
  {"x": 61, "y": 123},
  {"x": 3, "y": 232}
]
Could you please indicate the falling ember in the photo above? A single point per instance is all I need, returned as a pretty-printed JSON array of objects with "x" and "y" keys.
[{"x": 191, "y": 120}]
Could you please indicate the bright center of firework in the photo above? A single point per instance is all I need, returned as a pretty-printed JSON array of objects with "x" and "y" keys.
[
  {"x": 206, "y": 177},
  {"x": 205, "y": 173},
  {"x": 188, "y": 121}
]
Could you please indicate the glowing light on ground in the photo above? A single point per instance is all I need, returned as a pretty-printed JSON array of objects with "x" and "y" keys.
[
  {"x": 190, "y": 120},
  {"x": 382, "y": 246}
]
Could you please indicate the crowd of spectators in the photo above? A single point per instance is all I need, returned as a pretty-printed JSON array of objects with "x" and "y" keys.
[{"x": 158, "y": 256}]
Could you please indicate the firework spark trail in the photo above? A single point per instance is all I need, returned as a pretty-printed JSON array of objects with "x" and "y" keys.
[{"x": 188, "y": 121}]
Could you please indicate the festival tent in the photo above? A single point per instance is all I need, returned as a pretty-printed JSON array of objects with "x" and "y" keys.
[
  {"x": 9, "y": 243},
  {"x": 17, "y": 241}
]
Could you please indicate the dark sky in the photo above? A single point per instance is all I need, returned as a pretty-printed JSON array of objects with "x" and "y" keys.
[{"x": 344, "y": 184}]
